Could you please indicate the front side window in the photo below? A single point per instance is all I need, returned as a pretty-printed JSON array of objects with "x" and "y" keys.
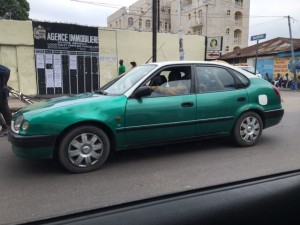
[
  {"x": 214, "y": 79},
  {"x": 171, "y": 81},
  {"x": 124, "y": 83}
]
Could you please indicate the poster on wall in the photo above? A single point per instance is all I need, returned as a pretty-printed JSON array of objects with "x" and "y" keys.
[{"x": 67, "y": 58}]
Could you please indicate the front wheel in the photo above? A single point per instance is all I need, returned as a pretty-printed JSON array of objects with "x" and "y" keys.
[
  {"x": 84, "y": 149},
  {"x": 247, "y": 130}
]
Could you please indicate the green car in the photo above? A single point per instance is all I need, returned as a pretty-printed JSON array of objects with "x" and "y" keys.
[{"x": 153, "y": 104}]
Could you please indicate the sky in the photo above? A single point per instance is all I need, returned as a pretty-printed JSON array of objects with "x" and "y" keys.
[{"x": 266, "y": 16}]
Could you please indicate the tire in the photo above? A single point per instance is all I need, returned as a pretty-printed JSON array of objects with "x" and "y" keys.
[
  {"x": 84, "y": 149},
  {"x": 247, "y": 129}
]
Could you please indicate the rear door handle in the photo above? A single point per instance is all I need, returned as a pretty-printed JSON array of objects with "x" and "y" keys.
[
  {"x": 187, "y": 104},
  {"x": 241, "y": 99}
]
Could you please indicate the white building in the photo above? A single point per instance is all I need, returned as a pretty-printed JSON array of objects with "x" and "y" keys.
[{"x": 212, "y": 18}]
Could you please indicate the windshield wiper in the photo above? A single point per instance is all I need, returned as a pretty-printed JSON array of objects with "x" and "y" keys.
[{"x": 102, "y": 92}]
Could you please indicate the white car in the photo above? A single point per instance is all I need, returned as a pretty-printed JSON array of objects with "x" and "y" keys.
[{"x": 250, "y": 69}]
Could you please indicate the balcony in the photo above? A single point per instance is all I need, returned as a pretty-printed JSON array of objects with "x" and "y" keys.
[
  {"x": 238, "y": 5},
  {"x": 237, "y": 40},
  {"x": 196, "y": 23},
  {"x": 238, "y": 22}
]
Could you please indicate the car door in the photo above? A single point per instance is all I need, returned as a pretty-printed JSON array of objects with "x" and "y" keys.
[
  {"x": 161, "y": 117},
  {"x": 220, "y": 99}
]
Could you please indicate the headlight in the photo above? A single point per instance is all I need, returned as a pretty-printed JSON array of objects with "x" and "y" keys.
[
  {"x": 25, "y": 125},
  {"x": 18, "y": 122}
]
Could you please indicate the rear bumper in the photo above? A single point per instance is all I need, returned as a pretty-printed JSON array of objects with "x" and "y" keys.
[
  {"x": 38, "y": 147},
  {"x": 273, "y": 117}
]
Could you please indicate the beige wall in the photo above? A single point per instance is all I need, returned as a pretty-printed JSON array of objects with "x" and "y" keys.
[
  {"x": 16, "y": 52},
  {"x": 137, "y": 46}
]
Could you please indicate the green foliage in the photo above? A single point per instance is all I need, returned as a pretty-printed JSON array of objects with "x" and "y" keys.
[{"x": 14, "y": 9}]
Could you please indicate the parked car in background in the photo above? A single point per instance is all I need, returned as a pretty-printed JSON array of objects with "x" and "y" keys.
[
  {"x": 251, "y": 69},
  {"x": 153, "y": 104}
]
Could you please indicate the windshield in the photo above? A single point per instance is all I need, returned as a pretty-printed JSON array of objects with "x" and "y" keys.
[{"x": 120, "y": 85}]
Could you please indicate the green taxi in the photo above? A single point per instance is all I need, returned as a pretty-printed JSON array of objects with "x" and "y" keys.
[{"x": 153, "y": 104}]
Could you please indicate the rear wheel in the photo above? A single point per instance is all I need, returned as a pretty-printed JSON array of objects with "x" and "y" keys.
[
  {"x": 248, "y": 129},
  {"x": 84, "y": 149}
]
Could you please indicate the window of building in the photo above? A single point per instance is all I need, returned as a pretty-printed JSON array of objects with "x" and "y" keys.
[
  {"x": 166, "y": 26},
  {"x": 238, "y": 3},
  {"x": 117, "y": 24},
  {"x": 200, "y": 31},
  {"x": 169, "y": 26},
  {"x": 227, "y": 31},
  {"x": 195, "y": 14},
  {"x": 227, "y": 49},
  {"x": 148, "y": 24},
  {"x": 130, "y": 21},
  {"x": 140, "y": 23},
  {"x": 189, "y": 16},
  {"x": 200, "y": 13},
  {"x": 120, "y": 23},
  {"x": 236, "y": 49},
  {"x": 238, "y": 18},
  {"x": 228, "y": 12},
  {"x": 169, "y": 11},
  {"x": 237, "y": 36}
]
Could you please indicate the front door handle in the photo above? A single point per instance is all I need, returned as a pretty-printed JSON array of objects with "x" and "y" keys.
[
  {"x": 187, "y": 104},
  {"x": 241, "y": 99}
]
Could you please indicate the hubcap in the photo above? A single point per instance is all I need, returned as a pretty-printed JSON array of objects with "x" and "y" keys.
[
  {"x": 249, "y": 129},
  {"x": 85, "y": 150}
]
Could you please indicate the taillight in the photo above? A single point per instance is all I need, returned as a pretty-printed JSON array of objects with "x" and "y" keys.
[{"x": 276, "y": 90}]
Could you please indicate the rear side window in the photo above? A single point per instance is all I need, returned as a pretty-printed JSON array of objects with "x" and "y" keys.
[
  {"x": 214, "y": 79},
  {"x": 243, "y": 79}
]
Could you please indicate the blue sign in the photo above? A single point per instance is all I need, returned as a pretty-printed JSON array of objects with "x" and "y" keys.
[{"x": 258, "y": 37}]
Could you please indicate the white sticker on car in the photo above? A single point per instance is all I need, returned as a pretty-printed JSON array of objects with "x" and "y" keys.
[{"x": 263, "y": 99}]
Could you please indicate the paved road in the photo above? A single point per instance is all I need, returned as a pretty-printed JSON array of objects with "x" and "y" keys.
[{"x": 32, "y": 189}]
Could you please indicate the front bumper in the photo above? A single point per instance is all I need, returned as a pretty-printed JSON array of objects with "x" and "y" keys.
[{"x": 38, "y": 146}]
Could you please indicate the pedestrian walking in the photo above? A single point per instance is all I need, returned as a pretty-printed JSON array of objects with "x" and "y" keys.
[
  {"x": 4, "y": 108},
  {"x": 122, "y": 68},
  {"x": 133, "y": 64}
]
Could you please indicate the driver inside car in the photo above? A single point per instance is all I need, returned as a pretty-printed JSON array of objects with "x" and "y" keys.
[{"x": 175, "y": 85}]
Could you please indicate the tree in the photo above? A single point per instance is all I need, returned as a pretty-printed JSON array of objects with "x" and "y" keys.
[{"x": 14, "y": 9}]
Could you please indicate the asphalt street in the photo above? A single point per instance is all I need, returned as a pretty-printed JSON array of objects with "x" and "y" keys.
[{"x": 36, "y": 189}]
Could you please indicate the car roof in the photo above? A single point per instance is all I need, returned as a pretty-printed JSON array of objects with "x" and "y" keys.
[{"x": 168, "y": 63}]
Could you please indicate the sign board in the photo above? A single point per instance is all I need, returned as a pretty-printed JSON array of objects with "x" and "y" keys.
[
  {"x": 213, "y": 55},
  {"x": 67, "y": 58},
  {"x": 258, "y": 37},
  {"x": 214, "y": 44}
]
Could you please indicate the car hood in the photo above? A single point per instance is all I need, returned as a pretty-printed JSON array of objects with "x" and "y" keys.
[{"x": 59, "y": 102}]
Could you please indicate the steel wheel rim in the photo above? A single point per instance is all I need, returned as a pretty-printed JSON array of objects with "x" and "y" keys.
[
  {"x": 85, "y": 150},
  {"x": 249, "y": 129}
]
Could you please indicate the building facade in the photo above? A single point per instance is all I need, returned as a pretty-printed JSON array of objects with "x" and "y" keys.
[
  {"x": 138, "y": 17},
  {"x": 224, "y": 18}
]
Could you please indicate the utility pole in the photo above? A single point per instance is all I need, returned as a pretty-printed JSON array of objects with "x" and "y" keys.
[
  {"x": 154, "y": 30},
  {"x": 292, "y": 51},
  {"x": 180, "y": 38},
  {"x": 158, "y": 15}
]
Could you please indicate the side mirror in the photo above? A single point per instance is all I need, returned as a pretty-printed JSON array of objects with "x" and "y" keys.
[{"x": 142, "y": 92}]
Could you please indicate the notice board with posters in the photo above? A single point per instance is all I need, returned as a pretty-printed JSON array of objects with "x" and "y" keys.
[{"x": 67, "y": 58}]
